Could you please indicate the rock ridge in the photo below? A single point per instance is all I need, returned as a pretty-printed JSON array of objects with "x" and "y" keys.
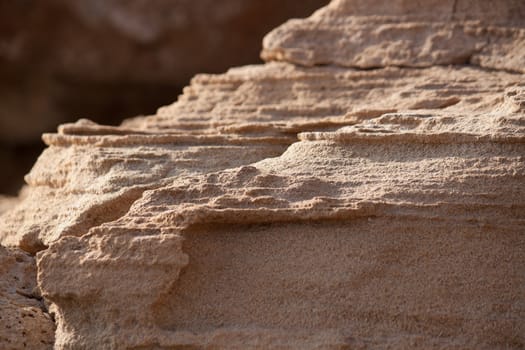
[
  {"x": 368, "y": 35},
  {"x": 295, "y": 204}
]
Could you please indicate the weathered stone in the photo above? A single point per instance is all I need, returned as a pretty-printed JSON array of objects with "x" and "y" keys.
[
  {"x": 220, "y": 122},
  {"x": 283, "y": 206},
  {"x": 23, "y": 323},
  {"x": 61, "y": 60},
  {"x": 81, "y": 181},
  {"x": 109, "y": 50},
  {"x": 372, "y": 34},
  {"x": 401, "y": 231}
]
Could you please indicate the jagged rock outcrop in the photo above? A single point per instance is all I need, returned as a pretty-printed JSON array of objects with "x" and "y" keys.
[
  {"x": 23, "y": 323},
  {"x": 91, "y": 174},
  {"x": 369, "y": 34},
  {"x": 61, "y": 60},
  {"x": 291, "y": 205},
  {"x": 406, "y": 226},
  {"x": 224, "y": 121},
  {"x": 131, "y": 49}
]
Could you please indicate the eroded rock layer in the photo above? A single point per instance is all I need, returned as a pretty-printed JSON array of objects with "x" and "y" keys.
[
  {"x": 371, "y": 34},
  {"x": 370, "y": 235},
  {"x": 284, "y": 206},
  {"x": 108, "y": 59},
  {"x": 23, "y": 322},
  {"x": 243, "y": 116}
]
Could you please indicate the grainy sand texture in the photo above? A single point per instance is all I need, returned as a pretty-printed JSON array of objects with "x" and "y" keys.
[{"x": 362, "y": 189}]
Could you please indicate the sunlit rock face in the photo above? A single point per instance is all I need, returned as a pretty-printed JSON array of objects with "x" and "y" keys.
[
  {"x": 106, "y": 60},
  {"x": 374, "y": 34},
  {"x": 361, "y": 189}
]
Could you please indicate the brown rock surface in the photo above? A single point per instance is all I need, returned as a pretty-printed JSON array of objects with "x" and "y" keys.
[
  {"x": 7, "y": 203},
  {"x": 23, "y": 323},
  {"x": 303, "y": 250},
  {"x": 98, "y": 172},
  {"x": 61, "y": 60},
  {"x": 63, "y": 53},
  {"x": 224, "y": 121},
  {"x": 105, "y": 49},
  {"x": 396, "y": 220},
  {"x": 371, "y": 34}
]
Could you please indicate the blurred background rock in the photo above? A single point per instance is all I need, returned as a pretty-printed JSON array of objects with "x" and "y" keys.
[{"x": 61, "y": 60}]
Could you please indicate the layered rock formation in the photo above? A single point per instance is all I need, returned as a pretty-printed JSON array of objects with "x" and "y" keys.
[
  {"x": 61, "y": 60},
  {"x": 121, "y": 49},
  {"x": 307, "y": 203},
  {"x": 368, "y": 34}
]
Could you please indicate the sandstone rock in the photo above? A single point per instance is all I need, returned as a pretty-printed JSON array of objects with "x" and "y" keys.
[
  {"x": 23, "y": 323},
  {"x": 61, "y": 60},
  {"x": 371, "y": 34},
  {"x": 423, "y": 250},
  {"x": 284, "y": 206},
  {"x": 224, "y": 121},
  {"x": 62, "y": 53},
  {"x": 7, "y": 203},
  {"x": 91, "y": 174}
]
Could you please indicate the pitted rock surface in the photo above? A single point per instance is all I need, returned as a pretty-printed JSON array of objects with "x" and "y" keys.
[
  {"x": 303, "y": 203},
  {"x": 24, "y": 323}
]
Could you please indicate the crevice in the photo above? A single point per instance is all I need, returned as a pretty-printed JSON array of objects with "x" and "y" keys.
[
  {"x": 28, "y": 295},
  {"x": 464, "y": 61},
  {"x": 454, "y": 9}
]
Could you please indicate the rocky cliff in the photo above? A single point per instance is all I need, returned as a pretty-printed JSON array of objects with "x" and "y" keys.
[{"x": 362, "y": 189}]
